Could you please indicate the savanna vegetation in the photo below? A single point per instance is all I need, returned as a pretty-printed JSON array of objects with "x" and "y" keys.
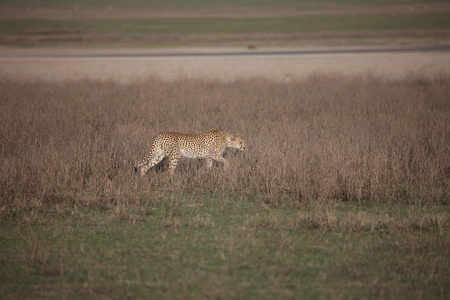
[{"x": 343, "y": 191}]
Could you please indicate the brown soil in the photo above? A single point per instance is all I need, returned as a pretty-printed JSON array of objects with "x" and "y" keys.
[{"x": 76, "y": 12}]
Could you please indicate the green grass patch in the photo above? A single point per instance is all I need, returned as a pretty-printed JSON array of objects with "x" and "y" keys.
[
  {"x": 297, "y": 24},
  {"x": 212, "y": 246}
]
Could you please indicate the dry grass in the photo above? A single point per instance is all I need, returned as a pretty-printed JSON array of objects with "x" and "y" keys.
[
  {"x": 325, "y": 138},
  {"x": 310, "y": 209}
]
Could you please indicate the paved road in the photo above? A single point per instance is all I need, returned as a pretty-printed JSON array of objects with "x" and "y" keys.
[{"x": 255, "y": 52}]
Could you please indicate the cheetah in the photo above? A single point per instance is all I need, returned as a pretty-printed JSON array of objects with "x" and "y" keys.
[{"x": 210, "y": 146}]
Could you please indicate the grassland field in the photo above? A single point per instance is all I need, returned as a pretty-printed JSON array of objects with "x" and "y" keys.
[{"x": 342, "y": 193}]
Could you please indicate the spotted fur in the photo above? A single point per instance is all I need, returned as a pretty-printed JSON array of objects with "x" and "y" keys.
[{"x": 210, "y": 146}]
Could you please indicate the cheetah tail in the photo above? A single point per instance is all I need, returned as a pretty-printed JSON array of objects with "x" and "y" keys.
[
  {"x": 134, "y": 164},
  {"x": 141, "y": 163}
]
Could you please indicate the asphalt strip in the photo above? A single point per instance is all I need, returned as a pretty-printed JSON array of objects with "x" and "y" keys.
[{"x": 392, "y": 49}]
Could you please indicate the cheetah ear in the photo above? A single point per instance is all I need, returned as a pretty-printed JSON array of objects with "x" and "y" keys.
[{"x": 233, "y": 137}]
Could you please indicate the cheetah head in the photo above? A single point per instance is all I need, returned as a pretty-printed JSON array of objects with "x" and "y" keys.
[{"x": 237, "y": 142}]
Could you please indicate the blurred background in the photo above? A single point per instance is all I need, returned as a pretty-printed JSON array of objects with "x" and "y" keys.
[{"x": 250, "y": 23}]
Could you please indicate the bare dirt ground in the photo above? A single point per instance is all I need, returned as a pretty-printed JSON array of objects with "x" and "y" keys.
[
  {"x": 33, "y": 64},
  {"x": 77, "y": 12}
]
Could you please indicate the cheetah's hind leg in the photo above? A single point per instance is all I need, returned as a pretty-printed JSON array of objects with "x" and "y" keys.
[{"x": 150, "y": 161}]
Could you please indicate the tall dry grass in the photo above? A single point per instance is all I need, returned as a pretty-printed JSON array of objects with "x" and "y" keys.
[{"x": 345, "y": 138}]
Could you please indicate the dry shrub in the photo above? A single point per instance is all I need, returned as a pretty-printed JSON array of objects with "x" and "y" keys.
[{"x": 347, "y": 138}]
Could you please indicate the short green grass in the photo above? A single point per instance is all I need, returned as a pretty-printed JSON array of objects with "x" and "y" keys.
[
  {"x": 288, "y": 25},
  {"x": 152, "y": 32},
  {"x": 196, "y": 246}
]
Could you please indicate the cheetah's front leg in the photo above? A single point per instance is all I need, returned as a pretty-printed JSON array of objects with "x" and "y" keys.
[
  {"x": 209, "y": 163},
  {"x": 222, "y": 160}
]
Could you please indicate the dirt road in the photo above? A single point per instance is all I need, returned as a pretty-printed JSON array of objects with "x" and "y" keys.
[{"x": 129, "y": 65}]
